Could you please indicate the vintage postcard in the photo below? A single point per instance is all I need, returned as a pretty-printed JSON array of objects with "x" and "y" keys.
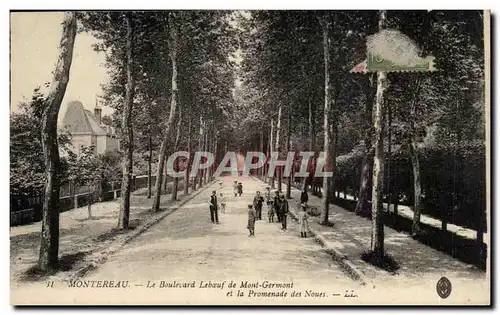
[{"x": 232, "y": 157}]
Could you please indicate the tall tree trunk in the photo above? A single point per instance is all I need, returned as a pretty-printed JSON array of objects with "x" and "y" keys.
[
  {"x": 216, "y": 157},
  {"x": 366, "y": 168},
  {"x": 89, "y": 205},
  {"x": 311, "y": 135},
  {"x": 389, "y": 155},
  {"x": 175, "y": 184},
  {"x": 333, "y": 154},
  {"x": 150, "y": 161},
  {"x": 188, "y": 161},
  {"x": 199, "y": 173},
  {"x": 288, "y": 139},
  {"x": 170, "y": 121},
  {"x": 417, "y": 186},
  {"x": 49, "y": 243},
  {"x": 261, "y": 146},
  {"x": 271, "y": 176},
  {"x": 325, "y": 202},
  {"x": 207, "y": 146},
  {"x": 377, "y": 244},
  {"x": 211, "y": 149},
  {"x": 128, "y": 139},
  {"x": 412, "y": 138},
  {"x": 412, "y": 142},
  {"x": 280, "y": 178},
  {"x": 365, "y": 185},
  {"x": 203, "y": 148},
  {"x": 214, "y": 151},
  {"x": 277, "y": 144},
  {"x": 165, "y": 176}
]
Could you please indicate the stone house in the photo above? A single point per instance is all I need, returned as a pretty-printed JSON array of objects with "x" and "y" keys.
[{"x": 86, "y": 128}]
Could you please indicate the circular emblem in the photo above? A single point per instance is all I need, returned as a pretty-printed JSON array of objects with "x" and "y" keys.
[{"x": 443, "y": 288}]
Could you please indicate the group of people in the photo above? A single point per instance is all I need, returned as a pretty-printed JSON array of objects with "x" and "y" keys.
[
  {"x": 237, "y": 188},
  {"x": 276, "y": 206}
]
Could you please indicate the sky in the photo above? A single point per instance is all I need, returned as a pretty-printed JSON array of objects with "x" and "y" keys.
[
  {"x": 35, "y": 39},
  {"x": 34, "y": 50}
]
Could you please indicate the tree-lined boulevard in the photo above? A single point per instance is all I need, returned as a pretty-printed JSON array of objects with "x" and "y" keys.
[{"x": 283, "y": 83}]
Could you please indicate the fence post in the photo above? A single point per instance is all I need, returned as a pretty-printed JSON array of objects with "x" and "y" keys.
[{"x": 75, "y": 201}]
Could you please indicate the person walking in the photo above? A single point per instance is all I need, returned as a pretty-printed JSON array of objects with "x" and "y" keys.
[
  {"x": 276, "y": 205},
  {"x": 222, "y": 201},
  {"x": 213, "y": 208},
  {"x": 240, "y": 189},
  {"x": 268, "y": 194},
  {"x": 270, "y": 211},
  {"x": 251, "y": 221},
  {"x": 304, "y": 198},
  {"x": 303, "y": 221},
  {"x": 283, "y": 212},
  {"x": 235, "y": 188},
  {"x": 257, "y": 204}
]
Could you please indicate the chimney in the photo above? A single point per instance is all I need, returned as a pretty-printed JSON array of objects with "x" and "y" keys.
[{"x": 97, "y": 112}]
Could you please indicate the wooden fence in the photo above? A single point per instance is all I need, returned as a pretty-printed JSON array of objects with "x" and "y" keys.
[{"x": 28, "y": 209}]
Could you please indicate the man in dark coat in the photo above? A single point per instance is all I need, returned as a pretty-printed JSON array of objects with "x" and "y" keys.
[
  {"x": 213, "y": 208},
  {"x": 303, "y": 197},
  {"x": 283, "y": 212},
  {"x": 240, "y": 188},
  {"x": 276, "y": 204},
  {"x": 257, "y": 204},
  {"x": 251, "y": 221}
]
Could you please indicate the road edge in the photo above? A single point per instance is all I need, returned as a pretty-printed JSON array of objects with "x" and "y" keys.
[{"x": 337, "y": 255}]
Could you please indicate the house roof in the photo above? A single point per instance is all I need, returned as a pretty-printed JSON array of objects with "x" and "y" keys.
[
  {"x": 75, "y": 119},
  {"x": 96, "y": 128}
]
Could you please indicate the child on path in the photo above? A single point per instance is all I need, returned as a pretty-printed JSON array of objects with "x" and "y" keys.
[
  {"x": 222, "y": 201},
  {"x": 303, "y": 223},
  {"x": 268, "y": 194},
  {"x": 235, "y": 188},
  {"x": 240, "y": 189},
  {"x": 270, "y": 210},
  {"x": 251, "y": 220}
]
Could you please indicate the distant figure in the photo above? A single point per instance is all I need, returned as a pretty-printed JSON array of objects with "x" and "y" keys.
[
  {"x": 251, "y": 221},
  {"x": 303, "y": 222},
  {"x": 283, "y": 212},
  {"x": 235, "y": 188},
  {"x": 222, "y": 201},
  {"x": 270, "y": 211},
  {"x": 257, "y": 204},
  {"x": 240, "y": 188},
  {"x": 268, "y": 194},
  {"x": 304, "y": 198},
  {"x": 213, "y": 208},
  {"x": 276, "y": 205}
]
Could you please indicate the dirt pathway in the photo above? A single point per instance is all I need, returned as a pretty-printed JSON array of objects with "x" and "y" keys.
[{"x": 187, "y": 247}]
